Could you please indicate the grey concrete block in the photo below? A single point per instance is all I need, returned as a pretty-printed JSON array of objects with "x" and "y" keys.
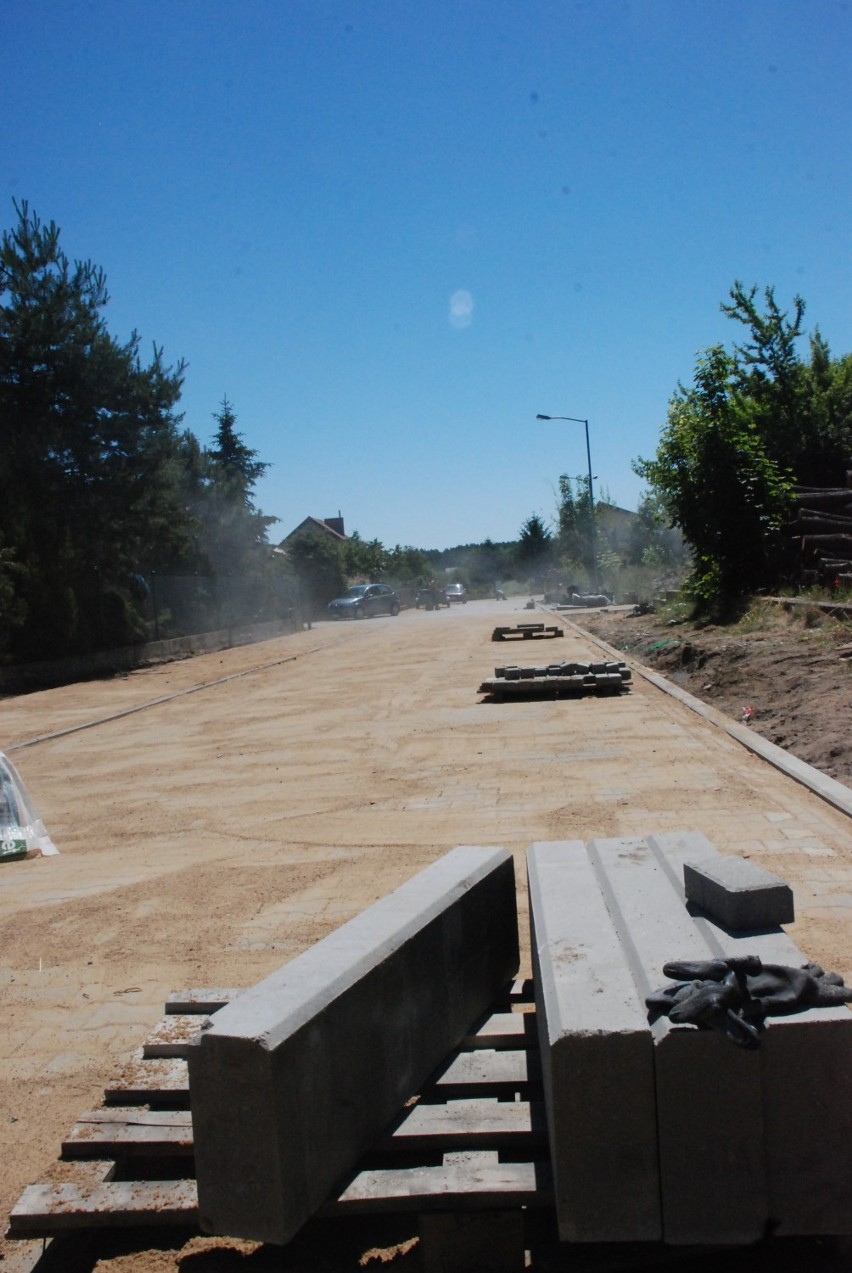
[
  {"x": 296, "y": 1078},
  {"x": 597, "y": 1056},
  {"x": 738, "y": 893},
  {"x": 806, "y": 1086},
  {"x": 709, "y": 1097}
]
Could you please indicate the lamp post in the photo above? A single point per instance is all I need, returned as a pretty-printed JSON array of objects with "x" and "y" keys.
[{"x": 576, "y": 420}]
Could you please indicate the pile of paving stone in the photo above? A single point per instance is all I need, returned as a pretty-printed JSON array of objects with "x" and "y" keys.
[{"x": 557, "y": 679}]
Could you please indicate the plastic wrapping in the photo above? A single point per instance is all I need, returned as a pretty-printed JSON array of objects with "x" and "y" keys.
[{"x": 22, "y": 832}]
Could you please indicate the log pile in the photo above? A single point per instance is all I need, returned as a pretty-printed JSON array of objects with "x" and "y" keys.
[{"x": 823, "y": 529}]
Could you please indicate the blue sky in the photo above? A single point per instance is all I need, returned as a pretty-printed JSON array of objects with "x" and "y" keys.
[{"x": 393, "y": 231}]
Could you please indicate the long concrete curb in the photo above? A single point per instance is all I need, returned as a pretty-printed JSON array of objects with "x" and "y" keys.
[
  {"x": 296, "y": 1078},
  {"x": 829, "y": 789},
  {"x": 597, "y": 1056}
]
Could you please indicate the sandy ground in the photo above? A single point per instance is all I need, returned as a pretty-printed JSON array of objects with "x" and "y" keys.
[{"x": 217, "y": 816}]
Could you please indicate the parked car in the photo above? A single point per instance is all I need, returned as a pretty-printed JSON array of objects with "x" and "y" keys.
[
  {"x": 364, "y": 599},
  {"x": 431, "y": 597},
  {"x": 455, "y": 592}
]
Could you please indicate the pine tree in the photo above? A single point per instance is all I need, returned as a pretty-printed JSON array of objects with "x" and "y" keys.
[{"x": 88, "y": 462}]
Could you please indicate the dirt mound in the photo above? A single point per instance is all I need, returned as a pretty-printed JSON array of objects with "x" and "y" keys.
[{"x": 785, "y": 671}]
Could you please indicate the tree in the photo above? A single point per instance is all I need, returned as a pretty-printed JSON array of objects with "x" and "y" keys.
[
  {"x": 718, "y": 484},
  {"x": 652, "y": 542},
  {"x": 577, "y": 533},
  {"x": 805, "y": 426},
  {"x": 364, "y": 561},
  {"x": 317, "y": 562},
  {"x": 232, "y": 528},
  {"x": 88, "y": 464},
  {"x": 535, "y": 546}
]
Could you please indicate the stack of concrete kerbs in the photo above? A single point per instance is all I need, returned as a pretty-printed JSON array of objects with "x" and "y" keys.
[
  {"x": 296, "y": 1078},
  {"x": 746, "y": 1141}
]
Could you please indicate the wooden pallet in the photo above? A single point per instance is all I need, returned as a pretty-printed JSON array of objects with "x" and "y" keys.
[
  {"x": 474, "y": 1138},
  {"x": 527, "y": 632}
]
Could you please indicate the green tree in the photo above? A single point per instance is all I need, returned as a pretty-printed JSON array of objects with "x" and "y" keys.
[
  {"x": 534, "y": 551},
  {"x": 408, "y": 566},
  {"x": 365, "y": 561},
  {"x": 576, "y": 536},
  {"x": 89, "y": 463},
  {"x": 318, "y": 564},
  {"x": 232, "y": 528},
  {"x": 719, "y": 485},
  {"x": 802, "y": 411}
]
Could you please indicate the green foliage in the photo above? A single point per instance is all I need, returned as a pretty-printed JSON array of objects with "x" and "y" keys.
[
  {"x": 534, "y": 551},
  {"x": 409, "y": 567},
  {"x": 231, "y": 531},
  {"x": 719, "y": 485},
  {"x": 319, "y": 566},
  {"x": 755, "y": 422},
  {"x": 576, "y": 538},
  {"x": 364, "y": 562},
  {"x": 100, "y": 485},
  {"x": 90, "y": 444}
]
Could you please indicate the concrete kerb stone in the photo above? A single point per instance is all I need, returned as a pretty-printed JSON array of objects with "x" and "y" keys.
[
  {"x": 806, "y": 1087},
  {"x": 295, "y": 1079},
  {"x": 597, "y": 1056},
  {"x": 709, "y": 1103}
]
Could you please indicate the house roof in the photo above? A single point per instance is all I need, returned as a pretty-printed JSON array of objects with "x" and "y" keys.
[{"x": 316, "y": 526}]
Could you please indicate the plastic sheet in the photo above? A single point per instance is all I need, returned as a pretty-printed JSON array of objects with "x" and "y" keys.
[{"x": 22, "y": 832}]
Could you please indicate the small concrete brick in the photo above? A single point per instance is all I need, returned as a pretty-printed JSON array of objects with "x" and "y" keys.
[
  {"x": 738, "y": 894},
  {"x": 597, "y": 1056},
  {"x": 296, "y": 1078}
]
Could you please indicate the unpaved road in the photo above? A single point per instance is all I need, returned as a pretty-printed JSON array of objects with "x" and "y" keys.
[{"x": 212, "y": 836}]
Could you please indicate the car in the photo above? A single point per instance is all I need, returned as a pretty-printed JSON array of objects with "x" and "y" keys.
[
  {"x": 363, "y": 599},
  {"x": 431, "y": 597},
  {"x": 455, "y": 592}
]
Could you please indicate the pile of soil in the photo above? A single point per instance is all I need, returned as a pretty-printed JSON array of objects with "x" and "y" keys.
[{"x": 785, "y": 669}]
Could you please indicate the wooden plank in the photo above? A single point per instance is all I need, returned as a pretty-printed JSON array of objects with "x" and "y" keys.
[
  {"x": 141, "y": 1081},
  {"x": 121, "y": 1132},
  {"x": 489, "y": 1069},
  {"x": 147, "y": 1081},
  {"x": 484, "y": 1123},
  {"x": 503, "y": 1029},
  {"x": 46, "y": 1209},
  {"x": 172, "y": 1036},
  {"x": 117, "y": 1132},
  {"x": 199, "y": 1001},
  {"x": 467, "y": 1183}
]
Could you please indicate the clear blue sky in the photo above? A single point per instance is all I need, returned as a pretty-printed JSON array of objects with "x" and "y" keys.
[{"x": 393, "y": 231}]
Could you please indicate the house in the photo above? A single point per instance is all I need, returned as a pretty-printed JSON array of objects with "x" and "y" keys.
[{"x": 331, "y": 526}]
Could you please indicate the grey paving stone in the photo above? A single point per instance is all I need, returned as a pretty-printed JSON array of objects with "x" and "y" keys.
[{"x": 738, "y": 893}]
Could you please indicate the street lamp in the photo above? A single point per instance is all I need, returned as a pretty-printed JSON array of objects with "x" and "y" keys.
[{"x": 577, "y": 420}]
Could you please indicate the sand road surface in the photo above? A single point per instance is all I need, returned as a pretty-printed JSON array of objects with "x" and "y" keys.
[{"x": 217, "y": 816}]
